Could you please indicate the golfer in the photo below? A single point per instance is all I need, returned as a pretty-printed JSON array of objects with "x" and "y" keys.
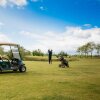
[{"x": 50, "y": 56}]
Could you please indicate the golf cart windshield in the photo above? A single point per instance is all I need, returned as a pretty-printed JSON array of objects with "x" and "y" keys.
[
  {"x": 15, "y": 52},
  {"x": 13, "y": 48}
]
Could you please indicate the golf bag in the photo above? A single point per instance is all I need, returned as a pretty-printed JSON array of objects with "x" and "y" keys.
[{"x": 64, "y": 62}]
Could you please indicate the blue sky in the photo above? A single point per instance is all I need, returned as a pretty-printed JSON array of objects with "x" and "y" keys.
[{"x": 56, "y": 24}]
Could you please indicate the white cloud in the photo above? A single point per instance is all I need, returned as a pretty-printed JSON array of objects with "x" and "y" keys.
[
  {"x": 78, "y": 32},
  {"x": 34, "y": 0},
  {"x": 69, "y": 40},
  {"x": 87, "y": 25},
  {"x": 43, "y": 8},
  {"x": 3, "y": 3},
  {"x": 37, "y": 0},
  {"x": 4, "y": 38},
  {"x": 1, "y": 24},
  {"x": 18, "y": 3}
]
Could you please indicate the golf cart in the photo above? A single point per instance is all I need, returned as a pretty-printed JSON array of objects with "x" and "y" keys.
[{"x": 14, "y": 62}]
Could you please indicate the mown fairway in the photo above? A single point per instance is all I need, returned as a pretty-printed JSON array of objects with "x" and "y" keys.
[{"x": 48, "y": 82}]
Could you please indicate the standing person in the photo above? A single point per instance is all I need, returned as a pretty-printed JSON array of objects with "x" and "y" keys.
[{"x": 50, "y": 56}]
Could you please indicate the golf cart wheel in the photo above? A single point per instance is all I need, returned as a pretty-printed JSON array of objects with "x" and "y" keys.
[{"x": 22, "y": 69}]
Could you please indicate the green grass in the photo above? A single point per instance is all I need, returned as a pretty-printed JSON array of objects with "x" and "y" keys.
[
  {"x": 39, "y": 58},
  {"x": 48, "y": 82},
  {"x": 45, "y": 58}
]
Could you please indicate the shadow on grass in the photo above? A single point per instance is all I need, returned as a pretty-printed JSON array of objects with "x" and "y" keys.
[
  {"x": 57, "y": 97},
  {"x": 12, "y": 72},
  {"x": 52, "y": 97},
  {"x": 93, "y": 88}
]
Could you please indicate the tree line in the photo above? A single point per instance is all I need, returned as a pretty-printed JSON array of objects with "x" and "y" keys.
[
  {"x": 88, "y": 49},
  {"x": 84, "y": 50},
  {"x": 25, "y": 52}
]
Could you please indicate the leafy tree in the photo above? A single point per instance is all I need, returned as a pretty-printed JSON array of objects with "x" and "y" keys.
[
  {"x": 79, "y": 50},
  {"x": 62, "y": 53},
  {"x": 83, "y": 50},
  {"x": 24, "y": 52},
  {"x": 37, "y": 53},
  {"x": 86, "y": 49},
  {"x": 91, "y": 47},
  {"x": 1, "y": 51},
  {"x": 97, "y": 47}
]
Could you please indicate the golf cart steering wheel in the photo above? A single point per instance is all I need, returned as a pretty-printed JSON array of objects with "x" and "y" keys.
[{"x": 15, "y": 61}]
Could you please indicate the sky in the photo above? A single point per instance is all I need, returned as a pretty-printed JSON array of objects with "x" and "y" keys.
[{"x": 60, "y": 25}]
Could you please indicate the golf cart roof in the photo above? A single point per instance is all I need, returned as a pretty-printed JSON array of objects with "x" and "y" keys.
[{"x": 9, "y": 44}]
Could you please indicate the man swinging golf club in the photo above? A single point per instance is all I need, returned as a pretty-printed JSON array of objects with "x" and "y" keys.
[{"x": 50, "y": 56}]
